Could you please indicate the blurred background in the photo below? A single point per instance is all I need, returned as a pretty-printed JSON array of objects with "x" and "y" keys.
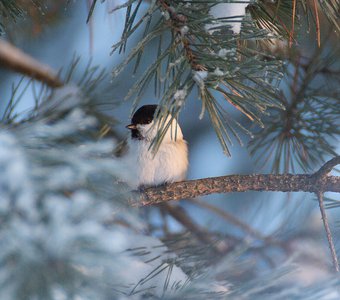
[{"x": 57, "y": 34}]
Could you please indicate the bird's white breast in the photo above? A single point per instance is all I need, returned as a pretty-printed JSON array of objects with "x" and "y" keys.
[{"x": 169, "y": 164}]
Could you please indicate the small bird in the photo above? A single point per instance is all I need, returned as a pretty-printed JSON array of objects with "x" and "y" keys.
[{"x": 169, "y": 163}]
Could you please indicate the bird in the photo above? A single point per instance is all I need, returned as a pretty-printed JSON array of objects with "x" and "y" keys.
[{"x": 169, "y": 163}]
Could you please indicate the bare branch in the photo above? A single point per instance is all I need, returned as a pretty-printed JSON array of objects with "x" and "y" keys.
[
  {"x": 238, "y": 183},
  {"x": 317, "y": 183},
  {"x": 15, "y": 59},
  {"x": 233, "y": 220},
  {"x": 181, "y": 216},
  {"x": 322, "y": 175},
  {"x": 327, "y": 167},
  {"x": 328, "y": 231}
]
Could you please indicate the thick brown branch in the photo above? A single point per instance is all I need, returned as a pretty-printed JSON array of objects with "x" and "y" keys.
[
  {"x": 238, "y": 183},
  {"x": 314, "y": 183},
  {"x": 13, "y": 58}
]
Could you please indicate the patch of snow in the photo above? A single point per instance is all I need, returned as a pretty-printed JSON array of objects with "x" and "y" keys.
[
  {"x": 184, "y": 30},
  {"x": 218, "y": 72},
  {"x": 15, "y": 183},
  {"x": 180, "y": 96},
  {"x": 166, "y": 15},
  {"x": 235, "y": 11},
  {"x": 199, "y": 77},
  {"x": 224, "y": 52}
]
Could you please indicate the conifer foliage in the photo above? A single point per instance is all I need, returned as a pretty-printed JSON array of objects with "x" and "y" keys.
[{"x": 68, "y": 225}]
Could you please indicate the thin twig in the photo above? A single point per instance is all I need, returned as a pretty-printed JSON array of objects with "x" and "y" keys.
[
  {"x": 181, "y": 216},
  {"x": 291, "y": 34},
  {"x": 327, "y": 167},
  {"x": 90, "y": 6},
  {"x": 317, "y": 23},
  {"x": 322, "y": 175},
  {"x": 328, "y": 231},
  {"x": 233, "y": 220},
  {"x": 15, "y": 59}
]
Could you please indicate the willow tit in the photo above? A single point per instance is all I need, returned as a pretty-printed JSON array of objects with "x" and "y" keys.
[{"x": 169, "y": 163}]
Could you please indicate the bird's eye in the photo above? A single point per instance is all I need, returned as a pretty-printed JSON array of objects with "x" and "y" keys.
[{"x": 148, "y": 121}]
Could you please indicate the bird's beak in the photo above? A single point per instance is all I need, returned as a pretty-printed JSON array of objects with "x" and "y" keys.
[{"x": 131, "y": 126}]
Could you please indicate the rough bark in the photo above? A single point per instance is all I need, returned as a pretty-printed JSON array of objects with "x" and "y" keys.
[{"x": 312, "y": 183}]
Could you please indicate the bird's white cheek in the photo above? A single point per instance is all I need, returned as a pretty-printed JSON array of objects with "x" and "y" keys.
[{"x": 147, "y": 131}]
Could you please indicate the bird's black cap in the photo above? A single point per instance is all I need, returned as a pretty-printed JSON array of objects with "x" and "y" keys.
[{"x": 143, "y": 115}]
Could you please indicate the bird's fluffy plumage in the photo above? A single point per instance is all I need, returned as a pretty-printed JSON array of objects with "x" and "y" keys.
[{"x": 168, "y": 164}]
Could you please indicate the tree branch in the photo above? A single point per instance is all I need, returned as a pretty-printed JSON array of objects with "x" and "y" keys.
[
  {"x": 233, "y": 220},
  {"x": 313, "y": 183},
  {"x": 181, "y": 216},
  {"x": 13, "y": 58},
  {"x": 328, "y": 232},
  {"x": 327, "y": 167}
]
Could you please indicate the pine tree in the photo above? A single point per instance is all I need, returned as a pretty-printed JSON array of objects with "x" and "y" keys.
[{"x": 72, "y": 229}]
